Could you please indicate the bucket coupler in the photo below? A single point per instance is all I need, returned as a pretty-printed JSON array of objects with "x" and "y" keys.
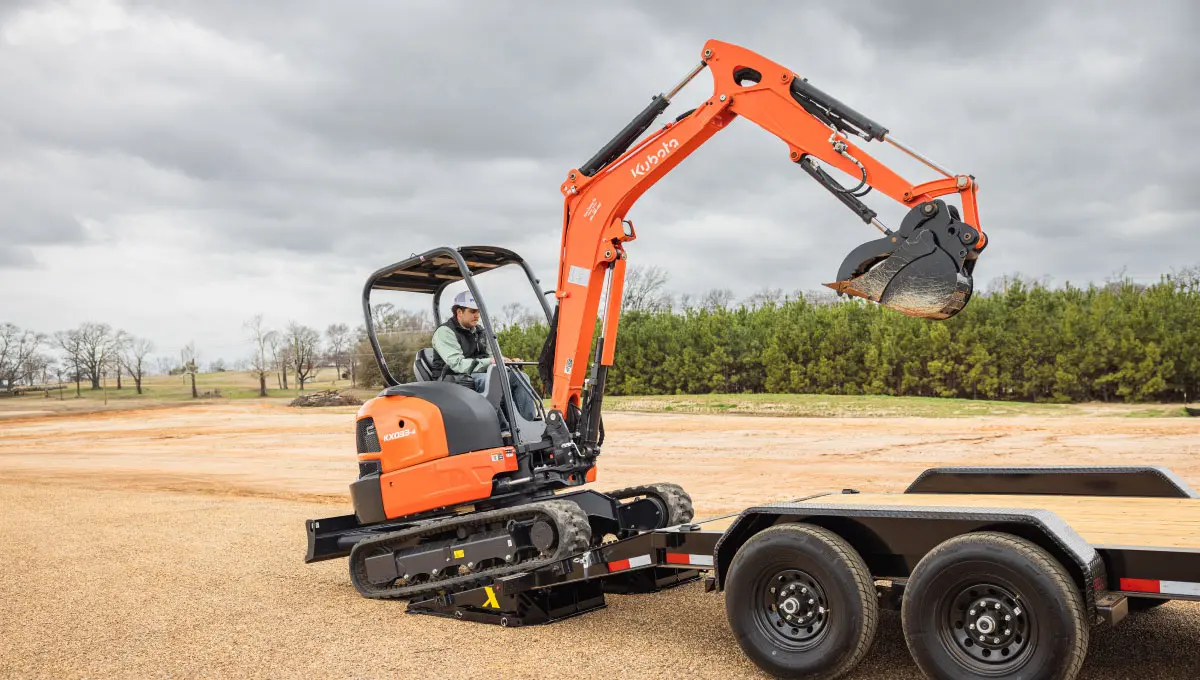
[{"x": 923, "y": 269}]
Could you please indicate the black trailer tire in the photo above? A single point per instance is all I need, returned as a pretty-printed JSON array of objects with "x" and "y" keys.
[
  {"x": 822, "y": 636},
  {"x": 992, "y": 605},
  {"x": 1137, "y": 605}
]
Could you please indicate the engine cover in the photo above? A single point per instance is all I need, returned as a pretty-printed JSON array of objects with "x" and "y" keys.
[{"x": 420, "y": 422}]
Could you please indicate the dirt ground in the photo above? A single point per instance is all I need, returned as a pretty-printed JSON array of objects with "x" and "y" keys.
[{"x": 169, "y": 542}]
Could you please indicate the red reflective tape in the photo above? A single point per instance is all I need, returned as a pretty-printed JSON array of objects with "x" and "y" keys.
[
  {"x": 632, "y": 562},
  {"x": 687, "y": 558},
  {"x": 1140, "y": 585}
]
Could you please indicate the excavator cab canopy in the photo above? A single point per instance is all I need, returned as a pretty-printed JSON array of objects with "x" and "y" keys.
[{"x": 431, "y": 273}]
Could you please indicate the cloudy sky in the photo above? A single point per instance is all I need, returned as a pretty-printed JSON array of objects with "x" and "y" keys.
[{"x": 174, "y": 167}]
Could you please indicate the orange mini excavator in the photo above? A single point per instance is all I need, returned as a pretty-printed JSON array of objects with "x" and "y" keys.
[{"x": 456, "y": 487}]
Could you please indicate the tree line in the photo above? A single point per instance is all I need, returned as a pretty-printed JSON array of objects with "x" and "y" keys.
[
  {"x": 1022, "y": 340},
  {"x": 95, "y": 352}
]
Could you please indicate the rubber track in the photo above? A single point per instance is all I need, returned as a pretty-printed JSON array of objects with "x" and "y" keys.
[
  {"x": 569, "y": 521},
  {"x": 678, "y": 502}
]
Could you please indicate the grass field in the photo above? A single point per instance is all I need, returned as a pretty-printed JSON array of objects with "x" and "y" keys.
[
  {"x": 820, "y": 405},
  {"x": 222, "y": 385},
  {"x": 243, "y": 385}
]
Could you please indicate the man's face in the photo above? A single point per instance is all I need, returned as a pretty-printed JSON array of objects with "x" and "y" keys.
[{"x": 467, "y": 317}]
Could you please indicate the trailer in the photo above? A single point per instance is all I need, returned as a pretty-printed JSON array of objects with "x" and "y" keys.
[{"x": 996, "y": 572}]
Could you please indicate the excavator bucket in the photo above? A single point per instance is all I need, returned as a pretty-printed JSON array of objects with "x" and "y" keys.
[{"x": 922, "y": 270}]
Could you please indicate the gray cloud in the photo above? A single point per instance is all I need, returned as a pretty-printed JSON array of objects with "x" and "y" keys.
[{"x": 262, "y": 139}]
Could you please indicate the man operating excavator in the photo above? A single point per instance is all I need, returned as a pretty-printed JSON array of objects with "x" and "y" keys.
[{"x": 462, "y": 355}]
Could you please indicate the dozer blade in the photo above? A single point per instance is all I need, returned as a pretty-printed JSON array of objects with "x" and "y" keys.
[{"x": 922, "y": 270}]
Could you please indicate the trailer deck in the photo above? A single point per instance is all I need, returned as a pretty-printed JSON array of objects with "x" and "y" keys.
[{"x": 1102, "y": 521}]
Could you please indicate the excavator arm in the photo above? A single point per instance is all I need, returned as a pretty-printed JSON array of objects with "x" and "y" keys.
[{"x": 921, "y": 269}]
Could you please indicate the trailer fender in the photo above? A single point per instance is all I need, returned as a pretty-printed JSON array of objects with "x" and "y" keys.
[{"x": 893, "y": 539}]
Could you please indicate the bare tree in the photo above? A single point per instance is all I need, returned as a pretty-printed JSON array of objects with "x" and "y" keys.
[
  {"x": 70, "y": 344},
  {"x": 337, "y": 339},
  {"x": 263, "y": 339},
  {"x": 386, "y": 318},
  {"x": 18, "y": 350},
  {"x": 304, "y": 343},
  {"x": 765, "y": 297},
  {"x": 191, "y": 361},
  {"x": 164, "y": 366},
  {"x": 717, "y": 298},
  {"x": 516, "y": 314},
  {"x": 116, "y": 354},
  {"x": 358, "y": 352},
  {"x": 281, "y": 357},
  {"x": 644, "y": 290},
  {"x": 134, "y": 358},
  {"x": 92, "y": 344}
]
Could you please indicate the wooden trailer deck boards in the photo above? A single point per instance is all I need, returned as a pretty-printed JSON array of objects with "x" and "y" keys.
[{"x": 1101, "y": 521}]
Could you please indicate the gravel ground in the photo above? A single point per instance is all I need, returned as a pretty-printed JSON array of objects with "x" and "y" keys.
[{"x": 106, "y": 575}]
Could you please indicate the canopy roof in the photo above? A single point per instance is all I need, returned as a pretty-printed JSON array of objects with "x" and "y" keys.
[{"x": 430, "y": 271}]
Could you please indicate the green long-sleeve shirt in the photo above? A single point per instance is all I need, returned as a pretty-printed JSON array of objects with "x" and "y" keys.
[{"x": 445, "y": 343}]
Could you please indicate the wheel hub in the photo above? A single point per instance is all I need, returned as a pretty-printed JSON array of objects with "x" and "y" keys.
[
  {"x": 794, "y": 607},
  {"x": 990, "y": 625}
]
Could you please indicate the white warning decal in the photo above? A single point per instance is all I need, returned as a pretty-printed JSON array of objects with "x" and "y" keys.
[
  {"x": 567, "y": 368},
  {"x": 578, "y": 276}
]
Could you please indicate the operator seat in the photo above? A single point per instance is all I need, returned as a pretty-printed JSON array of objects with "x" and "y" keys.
[
  {"x": 423, "y": 365},
  {"x": 527, "y": 431}
]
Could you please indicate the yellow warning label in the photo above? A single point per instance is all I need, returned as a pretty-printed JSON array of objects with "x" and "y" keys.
[
  {"x": 491, "y": 598},
  {"x": 458, "y": 554}
]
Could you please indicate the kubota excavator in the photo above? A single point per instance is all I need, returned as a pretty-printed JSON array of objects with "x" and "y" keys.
[{"x": 456, "y": 487}]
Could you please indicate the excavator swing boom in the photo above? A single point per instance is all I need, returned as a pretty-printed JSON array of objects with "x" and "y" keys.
[
  {"x": 922, "y": 269},
  {"x": 457, "y": 488}
]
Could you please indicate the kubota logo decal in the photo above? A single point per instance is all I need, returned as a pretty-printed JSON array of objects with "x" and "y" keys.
[
  {"x": 396, "y": 435},
  {"x": 655, "y": 158}
]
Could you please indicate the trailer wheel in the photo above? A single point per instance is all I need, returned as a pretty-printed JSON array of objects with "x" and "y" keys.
[
  {"x": 801, "y": 602},
  {"x": 988, "y": 605}
]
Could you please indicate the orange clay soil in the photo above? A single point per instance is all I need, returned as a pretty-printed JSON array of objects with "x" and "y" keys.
[{"x": 169, "y": 542}]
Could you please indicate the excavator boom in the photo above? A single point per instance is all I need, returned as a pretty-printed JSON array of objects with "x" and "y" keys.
[{"x": 922, "y": 269}]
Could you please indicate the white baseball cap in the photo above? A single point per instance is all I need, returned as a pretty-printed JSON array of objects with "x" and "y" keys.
[{"x": 465, "y": 299}]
